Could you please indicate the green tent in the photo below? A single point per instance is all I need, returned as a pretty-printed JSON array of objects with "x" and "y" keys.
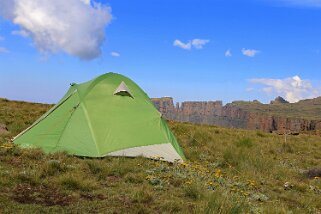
[{"x": 107, "y": 116}]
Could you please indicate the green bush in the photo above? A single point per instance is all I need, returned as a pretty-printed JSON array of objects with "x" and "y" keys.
[
  {"x": 244, "y": 142},
  {"x": 53, "y": 167},
  {"x": 95, "y": 166},
  {"x": 142, "y": 196},
  {"x": 219, "y": 202},
  {"x": 75, "y": 182},
  {"x": 193, "y": 192}
]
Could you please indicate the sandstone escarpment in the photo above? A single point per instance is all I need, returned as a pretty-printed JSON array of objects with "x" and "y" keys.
[{"x": 237, "y": 115}]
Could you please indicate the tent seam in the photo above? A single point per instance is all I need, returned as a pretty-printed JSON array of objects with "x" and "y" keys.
[
  {"x": 67, "y": 123},
  {"x": 90, "y": 126}
]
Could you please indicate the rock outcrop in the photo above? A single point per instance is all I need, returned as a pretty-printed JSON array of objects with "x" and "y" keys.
[
  {"x": 3, "y": 129},
  {"x": 233, "y": 115},
  {"x": 279, "y": 100}
]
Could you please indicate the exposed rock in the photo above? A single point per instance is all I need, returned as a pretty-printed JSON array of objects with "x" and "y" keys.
[
  {"x": 3, "y": 129},
  {"x": 279, "y": 100},
  {"x": 233, "y": 116},
  {"x": 287, "y": 186},
  {"x": 313, "y": 173}
]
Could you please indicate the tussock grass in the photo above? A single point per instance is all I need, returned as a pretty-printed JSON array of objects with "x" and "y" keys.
[
  {"x": 76, "y": 183},
  {"x": 144, "y": 195},
  {"x": 193, "y": 191},
  {"x": 228, "y": 171}
]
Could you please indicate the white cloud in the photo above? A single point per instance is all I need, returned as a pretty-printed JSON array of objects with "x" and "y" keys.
[
  {"x": 195, "y": 43},
  {"x": 86, "y": 1},
  {"x": 115, "y": 54},
  {"x": 228, "y": 53},
  {"x": 199, "y": 43},
  {"x": 186, "y": 46},
  {"x": 22, "y": 33},
  {"x": 292, "y": 88},
  {"x": 76, "y": 27},
  {"x": 1, "y": 38},
  {"x": 3, "y": 50},
  {"x": 249, "y": 52}
]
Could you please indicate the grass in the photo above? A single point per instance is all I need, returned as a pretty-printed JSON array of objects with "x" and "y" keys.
[{"x": 228, "y": 171}]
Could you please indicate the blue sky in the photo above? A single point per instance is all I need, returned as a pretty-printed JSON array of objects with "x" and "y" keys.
[{"x": 274, "y": 49}]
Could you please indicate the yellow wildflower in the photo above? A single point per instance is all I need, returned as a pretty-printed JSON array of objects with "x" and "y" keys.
[{"x": 218, "y": 173}]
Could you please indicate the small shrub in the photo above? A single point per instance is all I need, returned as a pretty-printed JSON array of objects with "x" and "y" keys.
[
  {"x": 176, "y": 182},
  {"x": 193, "y": 192},
  {"x": 53, "y": 167},
  {"x": 15, "y": 151},
  {"x": 260, "y": 134},
  {"x": 172, "y": 207},
  {"x": 119, "y": 168},
  {"x": 134, "y": 178},
  {"x": 71, "y": 182},
  {"x": 192, "y": 141},
  {"x": 230, "y": 157},
  {"x": 193, "y": 154},
  {"x": 32, "y": 154},
  {"x": 94, "y": 167},
  {"x": 220, "y": 203},
  {"x": 245, "y": 142},
  {"x": 286, "y": 147},
  {"x": 59, "y": 156},
  {"x": 142, "y": 196},
  {"x": 27, "y": 177},
  {"x": 300, "y": 187}
]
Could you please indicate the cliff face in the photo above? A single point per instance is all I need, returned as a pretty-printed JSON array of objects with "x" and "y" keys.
[{"x": 232, "y": 115}]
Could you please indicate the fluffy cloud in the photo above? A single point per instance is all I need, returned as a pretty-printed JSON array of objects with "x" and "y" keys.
[
  {"x": 115, "y": 54},
  {"x": 3, "y": 50},
  {"x": 195, "y": 43},
  {"x": 249, "y": 52},
  {"x": 199, "y": 43},
  {"x": 292, "y": 88},
  {"x": 228, "y": 53},
  {"x": 76, "y": 27},
  {"x": 186, "y": 46}
]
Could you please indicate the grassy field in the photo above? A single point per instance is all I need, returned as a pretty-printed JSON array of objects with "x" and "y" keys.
[{"x": 228, "y": 171}]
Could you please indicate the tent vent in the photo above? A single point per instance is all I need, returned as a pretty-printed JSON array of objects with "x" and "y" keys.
[{"x": 123, "y": 90}]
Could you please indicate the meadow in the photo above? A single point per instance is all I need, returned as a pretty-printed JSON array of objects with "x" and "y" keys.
[{"x": 227, "y": 171}]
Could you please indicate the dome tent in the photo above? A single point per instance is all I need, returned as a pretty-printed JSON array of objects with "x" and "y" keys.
[{"x": 107, "y": 116}]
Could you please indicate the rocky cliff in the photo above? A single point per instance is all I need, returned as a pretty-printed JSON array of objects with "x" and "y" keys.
[{"x": 276, "y": 117}]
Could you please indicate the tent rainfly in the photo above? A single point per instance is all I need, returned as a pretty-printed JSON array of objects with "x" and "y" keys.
[{"x": 107, "y": 116}]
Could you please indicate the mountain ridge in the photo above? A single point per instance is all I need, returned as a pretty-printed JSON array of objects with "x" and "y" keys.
[{"x": 280, "y": 116}]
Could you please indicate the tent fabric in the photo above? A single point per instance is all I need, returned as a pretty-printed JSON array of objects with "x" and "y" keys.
[
  {"x": 91, "y": 120},
  {"x": 157, "y": 151}
]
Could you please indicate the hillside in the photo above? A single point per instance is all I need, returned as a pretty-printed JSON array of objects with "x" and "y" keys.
[
  {"x": 228, "y": 171},
  {"x": 304, "y": 109},
  {"x": 304, "y": 116}
]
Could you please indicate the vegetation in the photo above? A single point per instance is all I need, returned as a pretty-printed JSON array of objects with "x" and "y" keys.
[
  {"x": 228, "y": 171},
  {"x": 304, "y": 109}
]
